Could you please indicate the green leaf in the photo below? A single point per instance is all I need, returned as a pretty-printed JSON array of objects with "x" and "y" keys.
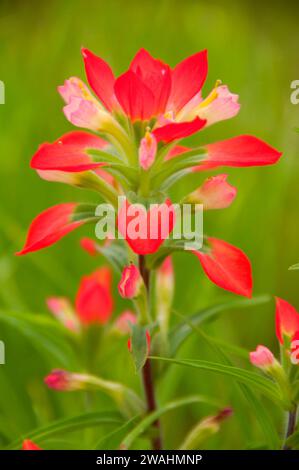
[
  {"x": 139, "y": 346},
  {"x": 46, "y": 334},
  {"x": 113, "y": 439},
  {"x": 182, "y": 331},
  {"x": 265, "y": 386},
  {"x": 152, "y": 417},
  {"x": 177, "y": 164},
  {"x": 62, "y": 426},
  {"x": 116, "y": 253}
]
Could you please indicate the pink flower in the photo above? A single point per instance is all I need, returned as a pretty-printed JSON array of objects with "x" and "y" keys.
[
  {"x": 147, "y": 150},
  {"x": 215, "y": 193},
  {"x": 262, "y": 357},
  {"x": 131, "y": 281}
]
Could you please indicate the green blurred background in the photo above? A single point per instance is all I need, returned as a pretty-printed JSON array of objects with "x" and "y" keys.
[{"x": 254, "y": 49}]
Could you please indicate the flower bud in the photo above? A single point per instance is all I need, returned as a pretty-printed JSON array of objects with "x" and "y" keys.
[
  {"x": 64, "y": 312},
  {"x": 262, "y": 358},
  {"x": 215, "y": 193},
  {"x": 164, "y": 292},
  {"x": 65, "y": 381},
  {"x": 89, "y": 246},
  {"x": 205, "y": 429},
  {"x": 147, "y": 150},
  {"x": 131, "y": 282},
  {"x": 124, "y": 322},
  {"x": 126, "y": 399}
]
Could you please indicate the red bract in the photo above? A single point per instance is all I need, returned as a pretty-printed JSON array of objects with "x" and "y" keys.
[
  {"x": 100, "y": 78},
  {"x": 30, "y": 445},
  {"x": 144, "y": 230},
  {"x": 94, "y": 301},
  {"x": 178, "y": 130},
  {"x": 286, "y": 320},
  {"x": 227, "y": 266},
  {"x": 89, "y": 245},
  {"x": 50, "y": 226},
  {"x": 244, "y": 150},
  {"x": 68, "y": 153}
]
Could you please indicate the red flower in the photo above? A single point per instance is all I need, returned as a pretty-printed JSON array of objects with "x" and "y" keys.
[
  {"x": 68, "y": 153},
  {"x": 29, "y": 445},
  {"x": 50, "y": 226},
  {"x": 286, "y": 320},
  {"x": 144, "y": 230},
  {"x": 94, "y": 301},
  {"x": 227, "y": 266}
]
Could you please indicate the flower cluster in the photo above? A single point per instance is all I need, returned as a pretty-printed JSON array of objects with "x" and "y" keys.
[
  {"x": 132, "y": 148},
  {"x": 137, "y": 121}
]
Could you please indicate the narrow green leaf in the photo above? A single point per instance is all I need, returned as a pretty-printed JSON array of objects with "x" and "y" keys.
[
  {"x": 47, "y": 335},
  {"x": 265, "y": 386},
  {"x": 183, "y": 330},
  {"x": 152, "y": 417},
  {"x": 65, "y": 425}
]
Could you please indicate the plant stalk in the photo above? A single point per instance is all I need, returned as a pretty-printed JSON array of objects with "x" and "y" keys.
[
  {"x": 147, "y": 375},
  {"x": 291, "y": 425}
]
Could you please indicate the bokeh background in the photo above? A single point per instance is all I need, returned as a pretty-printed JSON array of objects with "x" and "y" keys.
[{"x": 253, "y": 47}]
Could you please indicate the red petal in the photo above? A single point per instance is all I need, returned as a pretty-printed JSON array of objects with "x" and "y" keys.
[
  {"x": 134, "y": 96},
  {"x": 94, "y": 301},
  {"x": 100, "y": 78},
  {"x": 244, "y": 150},
  {"x": 68, "y": 153},
  {"x": 146, "y": 244},
  {"x": 286, "y": 319},
  {"x": 188, "y": 78},
  {"x": 29, "y": 445},
  {"x": 227, "y": 266},
  {"x": 50, "y": 226},
  {"x": 155, "y": 75},
  {"x": 178, "y": 130}
]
